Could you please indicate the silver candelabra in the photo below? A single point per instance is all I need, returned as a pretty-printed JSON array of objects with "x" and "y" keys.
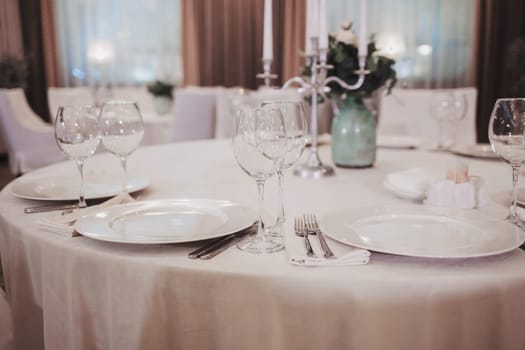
[{"x": 317, "y": 84}]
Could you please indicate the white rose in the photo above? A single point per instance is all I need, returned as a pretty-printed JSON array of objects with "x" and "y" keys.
[{"x": 346, "y": 37}]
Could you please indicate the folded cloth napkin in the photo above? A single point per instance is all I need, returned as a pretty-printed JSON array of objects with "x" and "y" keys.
[
  {"x": 345, "y": 255},
  {"x": 64, "y": 224},
  {"x": 415, "y": 180}
]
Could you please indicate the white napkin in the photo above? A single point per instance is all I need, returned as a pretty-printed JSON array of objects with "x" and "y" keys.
[
  {"x": 63, "y": 224},
  {"x": 345, "y": 254},
  {"x": 415, "y": 180}
]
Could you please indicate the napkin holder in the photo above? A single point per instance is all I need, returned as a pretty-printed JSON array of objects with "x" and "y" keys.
[{"x": 458, "y": 190}]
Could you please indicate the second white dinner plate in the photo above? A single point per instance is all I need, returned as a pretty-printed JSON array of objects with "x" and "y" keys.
[
  {"x": 166, "y": 221},
  {"x": 422, "y": 232},
  {"x": 53, "y": 187}
]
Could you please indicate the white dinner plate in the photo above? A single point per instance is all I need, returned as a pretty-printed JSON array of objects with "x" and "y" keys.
[
  {"x": 166, "y": 221},
  {"x": 477, "y": 151},
  {"x": 53, "y": 187},
  {"x": 422, "y": 232}
]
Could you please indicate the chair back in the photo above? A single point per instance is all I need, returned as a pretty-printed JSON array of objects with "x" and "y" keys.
[
  {"x": 29, "y": 140},
  {"x": 70, "y": 96},
  {"x": 194, "y": 113}
]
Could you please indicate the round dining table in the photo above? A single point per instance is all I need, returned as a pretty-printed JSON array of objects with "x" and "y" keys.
[{"x": 81, "y": 293}]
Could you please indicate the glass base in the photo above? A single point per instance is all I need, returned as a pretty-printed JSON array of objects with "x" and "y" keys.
[
  {"x": 515, "y": 220},
  {"x": 261, "y": 245},
  {"x": 275, "y": 231},
  {"x": 313, "y": 172}
]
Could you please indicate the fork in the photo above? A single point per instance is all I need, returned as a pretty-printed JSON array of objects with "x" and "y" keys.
[
  {"x": 300, "y": 230},
  {"x": 313, "y": 227}
]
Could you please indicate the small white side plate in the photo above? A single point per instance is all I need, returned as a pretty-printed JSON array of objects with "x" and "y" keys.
[
  {"x": 477, "y": 151},
  {"x": 404, "y": 194},
  {"x": 398, "y": 141}
]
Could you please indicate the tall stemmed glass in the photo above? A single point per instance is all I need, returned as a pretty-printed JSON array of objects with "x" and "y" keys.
[
  {"x": 259, "y": 144},
  {"x": 441, "y": 108},
  {"x": 296, "y": 132},
  {"x": 447, "y": 107},
  {"x": 506, "y": 128},
  {"x": 122, "y": 129},
  {"x": 77, "y": 135},
  {"x": 457, "y": 112}
]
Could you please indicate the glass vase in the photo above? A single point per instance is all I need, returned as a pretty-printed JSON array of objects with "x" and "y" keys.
[{"x": 353, "y": 133}]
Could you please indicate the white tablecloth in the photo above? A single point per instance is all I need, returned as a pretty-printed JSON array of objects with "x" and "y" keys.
[{"x": 78, "y": 293}]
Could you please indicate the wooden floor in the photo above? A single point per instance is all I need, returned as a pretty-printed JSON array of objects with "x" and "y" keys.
[{"x": 5, "y": 174}]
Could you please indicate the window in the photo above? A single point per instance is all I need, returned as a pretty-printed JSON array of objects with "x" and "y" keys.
[
  {"x": 122, "y": 42},
  {"x": 431, "y": 40}
]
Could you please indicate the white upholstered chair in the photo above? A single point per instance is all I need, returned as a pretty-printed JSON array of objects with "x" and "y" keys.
[
  {"x": 61, "y": 96},
  {"x": 406, "y": 111},
  {"x": 194, "y": 113},
  {"x": 29, "y": 140}
]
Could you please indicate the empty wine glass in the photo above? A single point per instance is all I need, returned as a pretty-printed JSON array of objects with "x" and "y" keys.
[
  {"x": 296, "y": 133},
  {"x": 259, "y": 144},
  {"x": 457, "y": 112},
  {"x": 77, "y": 135},
  {"x": 121, "y": 129},
  {"x": 506, "y": 128},
  {"x": 441, "y": 107}
]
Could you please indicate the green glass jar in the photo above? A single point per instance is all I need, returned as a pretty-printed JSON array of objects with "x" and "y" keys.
[{"x": 353, "y": 133}]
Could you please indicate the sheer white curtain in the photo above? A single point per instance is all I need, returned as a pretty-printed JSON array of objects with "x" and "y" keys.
[
  {"x": 431, "y": 40},
  {"x": 124, "y": 42}
]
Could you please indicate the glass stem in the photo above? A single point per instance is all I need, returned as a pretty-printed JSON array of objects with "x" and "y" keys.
[
  {"x": 260, "y": 225},
  {"x": 82, "y": 200},
  {"x": 440, "y": 136},
  {"x": 123, "y": 161},
  {"x": 281, "y": 217},
  {"x": 515, "y": 176}
]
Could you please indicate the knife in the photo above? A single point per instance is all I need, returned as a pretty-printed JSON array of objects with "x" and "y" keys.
[
  {"x": 52, "y": 207},
  {"x": 219, "y": 245}
]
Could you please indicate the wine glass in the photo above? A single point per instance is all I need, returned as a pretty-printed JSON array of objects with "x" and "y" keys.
[
  {"x": 121, "y": 129},
  {"x": 77, "y": 135},
  {"x": 296, "y": 132},
  {"x": 441, "y": 108},
  {"x": 259, "y": 144},
  {"x": 506, "y": 128},
  {"x": 458, "y": 111},
  {"x": 447, "y": 107}
]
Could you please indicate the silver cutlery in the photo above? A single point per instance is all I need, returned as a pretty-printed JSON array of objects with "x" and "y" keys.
[
  {"x": 51, "y": 207},
  {"x": 313, "y": 227},
  {"x": 300, "y": 230},
  {"x": 217, "y": 246}
]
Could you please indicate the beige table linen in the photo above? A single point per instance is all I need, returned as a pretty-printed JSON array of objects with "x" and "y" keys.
[{"x": 78, "y": 293}]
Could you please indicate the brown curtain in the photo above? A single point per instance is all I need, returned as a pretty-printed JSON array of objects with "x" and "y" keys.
[
  {"x": 501, "y": 56},
  {"x": 222, "y": 40},
  {"x": 36, "y": 90},
  {"x": 50, "y": 43},
  {"x": 293, "y": 19},
  {"x": 10, "y": 33}
]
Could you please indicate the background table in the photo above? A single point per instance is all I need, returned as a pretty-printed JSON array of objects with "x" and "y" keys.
[{"x": 78, "y": 293}]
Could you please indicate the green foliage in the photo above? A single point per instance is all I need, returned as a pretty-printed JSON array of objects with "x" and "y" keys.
[
  {"x": 13, "y": 72},
  {"x": 345, "y": 61},
  {"x": 159, "y": 88}
]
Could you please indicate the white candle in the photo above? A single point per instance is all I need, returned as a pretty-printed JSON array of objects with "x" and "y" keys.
[
  {"x": 311, "y": 16},
  {"x": 363, "y": 42},
  {"x": 314, "y": 25},
  {"x": 323, "y": 33},
  {"x": 267, "y": 39}
]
